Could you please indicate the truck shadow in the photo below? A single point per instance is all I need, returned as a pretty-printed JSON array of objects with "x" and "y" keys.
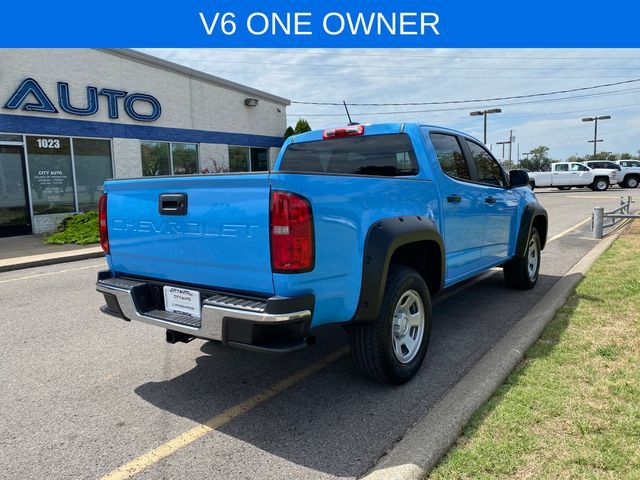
[{"x": 334, "y": 422}]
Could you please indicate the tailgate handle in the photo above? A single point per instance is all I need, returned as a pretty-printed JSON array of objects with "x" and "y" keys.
[{"x": 172, "y": 204}]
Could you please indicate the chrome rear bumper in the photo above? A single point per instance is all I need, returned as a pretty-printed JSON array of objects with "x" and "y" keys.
[{"x": 131, "y": 299}]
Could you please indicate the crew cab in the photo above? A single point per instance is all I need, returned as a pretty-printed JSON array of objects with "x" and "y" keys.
[
  {"x": 357, "y": 226},
  {"x": 565, "y": 175}
]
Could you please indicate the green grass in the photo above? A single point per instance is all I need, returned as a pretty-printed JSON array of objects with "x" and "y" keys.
[
  {"x": 81, "y": 229},
  {"x": 571, "y": 409}
]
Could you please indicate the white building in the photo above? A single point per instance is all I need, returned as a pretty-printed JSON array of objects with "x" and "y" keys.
[{"x": 69, "y": 119}]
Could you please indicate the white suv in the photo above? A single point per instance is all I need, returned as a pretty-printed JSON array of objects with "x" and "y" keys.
[
  {"x": 612, "y": 167},
  {"x": 630, "y": 173}
]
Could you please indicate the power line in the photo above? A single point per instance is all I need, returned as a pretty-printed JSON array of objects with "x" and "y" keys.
[
  {"x": 528, "y": 102},
  {"x": 396, "y": 54},
  {"x": 390, "y": 75},
  {"x": 477, "y": 100},
  {"x": 395, "y": 67}
]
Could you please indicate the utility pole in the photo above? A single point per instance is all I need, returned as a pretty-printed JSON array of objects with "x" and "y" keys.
[
  {"x": 511, "y": 139},
  {"x": 484, "y": 113},
  {"x": 503, "y": 144},
  {"x": 508, "y": 142},
  {"x": 595, "y": 140}
]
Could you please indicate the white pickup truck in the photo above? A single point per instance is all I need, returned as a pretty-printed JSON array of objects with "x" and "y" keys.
[{"x": 565, "y": 175}]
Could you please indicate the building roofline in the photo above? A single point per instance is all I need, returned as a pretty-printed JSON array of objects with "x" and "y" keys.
[{"x": 150, "y": 60}]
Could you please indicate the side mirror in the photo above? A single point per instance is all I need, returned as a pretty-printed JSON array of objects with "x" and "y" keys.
[{"x": 518, "y": 178}]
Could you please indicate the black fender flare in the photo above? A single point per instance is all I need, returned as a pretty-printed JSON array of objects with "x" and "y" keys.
[
  {"x": 530, "y": 213},
  {"x": 383, "y": 239}
]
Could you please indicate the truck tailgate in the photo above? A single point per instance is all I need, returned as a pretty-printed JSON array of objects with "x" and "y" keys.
[{"x": 222, "y": 240}]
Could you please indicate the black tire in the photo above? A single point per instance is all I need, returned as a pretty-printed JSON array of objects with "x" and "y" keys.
[
  {"x": 600, "y": 184},
  {"x": 631, "y": 182},
  {"x": 371, "y": 343},
  {"x": 564, "y": 188},
  {"x": 516, "y": 271}
]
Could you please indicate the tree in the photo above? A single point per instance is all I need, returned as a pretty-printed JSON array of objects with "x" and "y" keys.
[
  {"x": 302, "y": 126},
  {"x": 539, "y": 159},
  {"x": 288, "y": 132},
  {"x": 625, "y": 156}
]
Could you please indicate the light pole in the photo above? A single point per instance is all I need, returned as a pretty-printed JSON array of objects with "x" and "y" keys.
[
  {"x": 595, "y": 131},
  {"x": 484, "y": 113}
]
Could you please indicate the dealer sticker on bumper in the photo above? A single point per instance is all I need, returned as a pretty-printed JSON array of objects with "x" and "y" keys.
[{"x": 181, "y": 300}]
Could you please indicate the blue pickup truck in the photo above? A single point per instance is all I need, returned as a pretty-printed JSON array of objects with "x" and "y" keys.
[{"x": 357, "y": 226}]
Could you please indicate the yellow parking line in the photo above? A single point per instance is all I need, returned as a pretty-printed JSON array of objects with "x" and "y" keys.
[
  {"x": 569, "y": 230},
  {"x": 152, "y": 457},
  {"x": 148, "y": 459},
  {"x": 591, "y": 197}
]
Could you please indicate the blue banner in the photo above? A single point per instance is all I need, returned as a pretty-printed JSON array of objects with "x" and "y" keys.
[{"x": 307, "y": 23}]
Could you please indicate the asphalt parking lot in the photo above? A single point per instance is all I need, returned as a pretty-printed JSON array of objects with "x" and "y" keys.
[{"x": 84, "y": 394}]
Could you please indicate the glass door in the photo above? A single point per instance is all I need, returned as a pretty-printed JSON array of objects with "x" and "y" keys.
[{"x": 15, "y": 218}]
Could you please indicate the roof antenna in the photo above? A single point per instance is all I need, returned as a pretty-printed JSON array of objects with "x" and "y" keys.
[{"x": 351, "y": 122}]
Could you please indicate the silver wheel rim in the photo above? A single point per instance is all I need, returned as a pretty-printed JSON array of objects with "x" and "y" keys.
[
  {"x": 533, "y": 257},
  {"x": 407, "y": 327},
  {"x": 601, "y": 185},
  {"x": 632, "y": 182}
]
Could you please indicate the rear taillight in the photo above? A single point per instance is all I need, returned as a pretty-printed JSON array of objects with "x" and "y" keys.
[
  {"x": 291, "y": 229},
  {"x": 350, "y": 131},
  {"x": 102, "y": 222}
]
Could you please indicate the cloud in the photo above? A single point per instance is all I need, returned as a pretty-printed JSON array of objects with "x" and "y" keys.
[{"x": 398, "y": 76}]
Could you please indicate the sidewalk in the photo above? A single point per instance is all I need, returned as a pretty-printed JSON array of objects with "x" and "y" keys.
[{"x": 30, "y": 251}]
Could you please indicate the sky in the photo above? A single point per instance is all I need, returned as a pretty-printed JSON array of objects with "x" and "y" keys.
[{"x": 445, "y": 75}]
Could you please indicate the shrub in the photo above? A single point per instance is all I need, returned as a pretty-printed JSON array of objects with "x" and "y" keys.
[{"x": 81, "y": 229}]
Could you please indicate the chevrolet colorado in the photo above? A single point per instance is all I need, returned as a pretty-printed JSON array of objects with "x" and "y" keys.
[{"x": 357, "y": 226}]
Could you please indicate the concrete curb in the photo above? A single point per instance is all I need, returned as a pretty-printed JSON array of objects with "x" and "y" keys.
[
  {"x": 422, "y": 447},
  {"x": 49, "y": 259}
]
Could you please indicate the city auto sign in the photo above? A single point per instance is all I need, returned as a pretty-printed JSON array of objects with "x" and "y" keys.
[{"x": 32, "y": 98}]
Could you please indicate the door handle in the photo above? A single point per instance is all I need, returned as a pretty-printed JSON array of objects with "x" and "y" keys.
[
  {"x": 490, "y": 200},
  {"x": 454, "y": 198}
]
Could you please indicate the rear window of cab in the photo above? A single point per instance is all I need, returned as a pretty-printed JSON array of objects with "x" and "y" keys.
[{"x": 390, "y": 155}]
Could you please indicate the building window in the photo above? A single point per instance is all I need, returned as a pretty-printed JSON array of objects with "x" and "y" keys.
[
  {"x": 9, "y": 137},
  {"x": 160, "y": 158},
  {"x": 155, "y": 159},
  {"x": 248, "y": 159},
  {"x": 92, "y": 159},
  {"x": 54, "y": 164},
  {"x": 184, "y": 157},
  {"x": 51, "y": 175}
]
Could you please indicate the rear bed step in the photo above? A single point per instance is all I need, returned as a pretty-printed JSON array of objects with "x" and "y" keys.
[{"x": 245, "y": 317}]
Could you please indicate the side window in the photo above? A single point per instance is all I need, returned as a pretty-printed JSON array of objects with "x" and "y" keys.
[
  {"x": 562, "y": 167},
  {"x": 450, "y": 156},
  {"x": 576, "y": 167},
  {"x": 488, "y": 169}
]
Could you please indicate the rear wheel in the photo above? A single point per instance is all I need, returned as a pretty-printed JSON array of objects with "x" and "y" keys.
[
  {"x": 630, "y": 182},
  {"x": 600, "y": 184},
  {"x": 522, "y": 272},
  {"x": 392, "y": 347}
]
